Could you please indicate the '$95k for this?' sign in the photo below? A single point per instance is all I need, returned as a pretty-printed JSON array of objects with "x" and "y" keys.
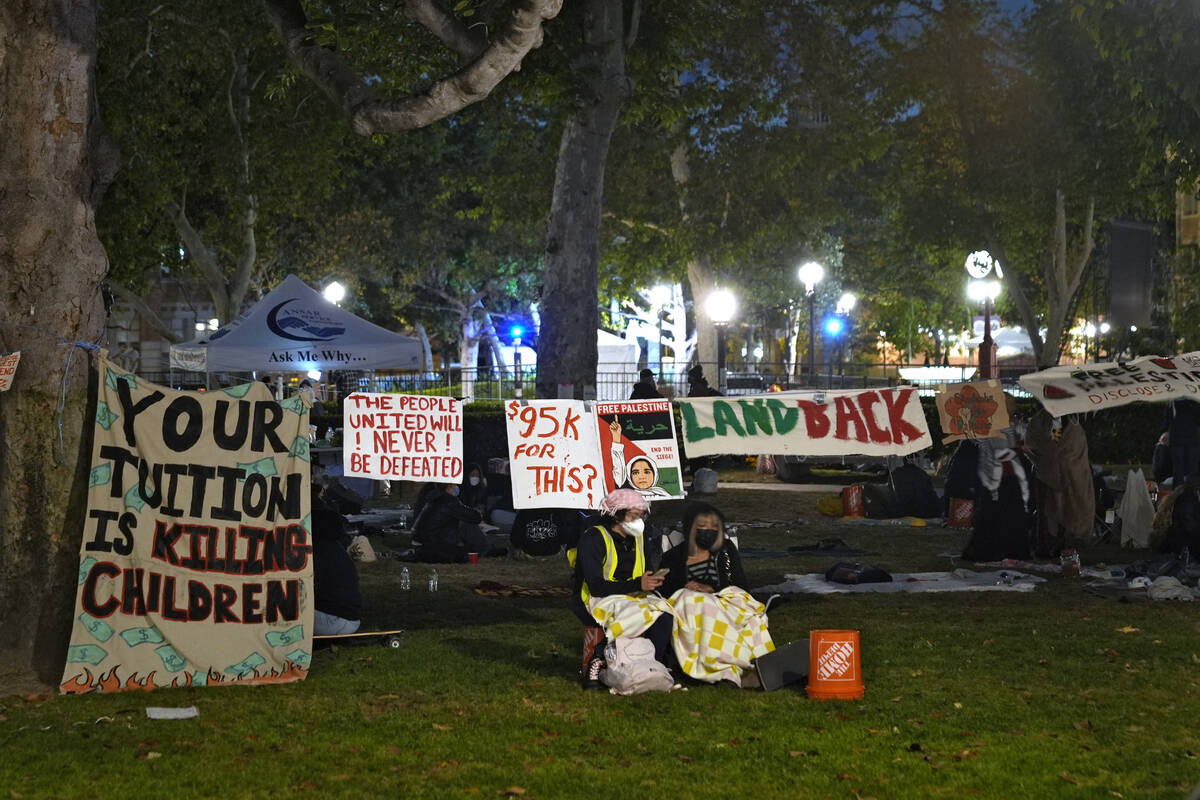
[{"x": 553, "y": 450}]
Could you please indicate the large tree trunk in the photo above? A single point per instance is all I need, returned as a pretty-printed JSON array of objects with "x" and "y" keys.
[
  {"x": 569, "y": 311},
  {"x": 55, "y": 162}
]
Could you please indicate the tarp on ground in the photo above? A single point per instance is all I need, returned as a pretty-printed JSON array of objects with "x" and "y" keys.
[
  {"x": 295, "y": 329},
  {"x": 1093, "y": 387}
]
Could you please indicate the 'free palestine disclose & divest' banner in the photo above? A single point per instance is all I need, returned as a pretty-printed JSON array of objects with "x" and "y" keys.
[
  {"x": 867, "y": 422},
  {"x": 1093, "y": 387},
  {"x": 195, "y": 566}
]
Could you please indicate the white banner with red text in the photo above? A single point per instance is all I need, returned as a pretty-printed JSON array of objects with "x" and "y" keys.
[{"x": 1094, "y": 387}]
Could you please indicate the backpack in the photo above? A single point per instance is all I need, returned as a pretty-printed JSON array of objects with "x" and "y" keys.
[{"x": 630, "y": 667}]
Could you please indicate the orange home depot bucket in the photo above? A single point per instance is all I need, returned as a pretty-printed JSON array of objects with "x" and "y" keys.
[
  {"x": 834, "y": 666},
  {"x": 962, "y": 512},
  {"x": 852, "y": 501}
]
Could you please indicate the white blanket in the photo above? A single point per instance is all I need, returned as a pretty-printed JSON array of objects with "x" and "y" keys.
[{"x": 961, "y": 580}]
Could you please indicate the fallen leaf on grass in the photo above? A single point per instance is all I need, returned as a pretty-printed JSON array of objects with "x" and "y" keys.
[
  {"x": 1085, "y": 725},
  {"x": 1126, "y": 629},
  {"x": 963, "y": 755},
  {"x": 1135, "y": 728},
  {"x": 1068, "y": 778},
  {"x": 439, "y": 727},
  {"x": 303, "y": 785},
  {"x": 151, "y": 755},
  {"x": 513, "y": 791},
  {"x": 394, "y": 750},
  {"x": 845, "y": 776},
  {"x": 958, "y": 705},
  {"x": 897, "y": 698},
  {"x": 986, "y": 642}
]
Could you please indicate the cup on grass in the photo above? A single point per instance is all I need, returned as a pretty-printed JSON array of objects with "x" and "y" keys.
[{"x": 473, "y": 558}]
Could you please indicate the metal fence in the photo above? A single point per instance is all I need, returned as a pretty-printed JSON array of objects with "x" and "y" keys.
[{"x": 613, "y": 381}]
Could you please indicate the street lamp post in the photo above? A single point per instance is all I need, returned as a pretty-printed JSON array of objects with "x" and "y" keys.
[
  {"x": 517, "y": 382},
  {"x": 987, "y": 291},
  {"x": 979, "y": 265},
  {"x": 721, "y": 306},
  {"x": 659, "y": 296},
  {"x": 810, "y": 275}
]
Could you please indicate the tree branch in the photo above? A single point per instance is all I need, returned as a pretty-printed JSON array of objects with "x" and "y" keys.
[
  {"x": 370, "y": 114},
  {"x": 467, "y": 42},
  {"x": 144, "y": 310}
]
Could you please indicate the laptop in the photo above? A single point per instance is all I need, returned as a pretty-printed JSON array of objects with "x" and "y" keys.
[{"x": 783, "y": 666}]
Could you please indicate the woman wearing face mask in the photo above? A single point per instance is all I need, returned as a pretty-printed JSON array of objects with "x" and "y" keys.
[
  {"x": 614, "y": 584},
  {"x": 474, "y": 489},
  {"x": 719, "y": 627}
]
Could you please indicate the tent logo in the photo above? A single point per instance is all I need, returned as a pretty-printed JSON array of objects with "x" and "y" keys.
[{"x": 298, "y": 322}]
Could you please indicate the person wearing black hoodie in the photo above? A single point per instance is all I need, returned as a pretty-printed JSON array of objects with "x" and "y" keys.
[{"x": 337, "y": 601}]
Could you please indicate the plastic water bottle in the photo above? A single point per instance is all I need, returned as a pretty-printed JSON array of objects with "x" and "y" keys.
[
  {"x": 405, "y": 579},
  {"x": 433, "y": 581}
]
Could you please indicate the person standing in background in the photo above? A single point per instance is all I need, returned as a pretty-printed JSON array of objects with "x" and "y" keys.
[{"x": 1182, "y": 426}]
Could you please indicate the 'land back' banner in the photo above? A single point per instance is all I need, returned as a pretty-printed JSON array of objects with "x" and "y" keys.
[
  {"x": 868, "y": 422},
  {"x": 195, "y": 566},
  {"x": 1093, "y": 387}
]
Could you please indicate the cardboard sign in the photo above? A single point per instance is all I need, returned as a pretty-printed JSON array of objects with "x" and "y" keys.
[
  {"x": 637, "y": 448},
  {"x": 8, "y": 369},
  {"x": 403, "y": 437},
  {"x": 195, "y": 566},
  {"x": 553, "y": 451},
  {"x": 1093, "y": 387},
  {"x": 972, "y": 410},
  {"x": 867, "y": 422}
]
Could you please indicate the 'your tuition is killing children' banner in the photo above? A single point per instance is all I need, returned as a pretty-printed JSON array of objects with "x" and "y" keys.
[
  {"x": 637, "y": 447},
  {"x": 1092, "y": 387},
  {"x": 195, "y": 566},
  {"x": 867, "y": 422},
  {"x": 403, "y": 437},
  {"x": 553, "y": 454}
]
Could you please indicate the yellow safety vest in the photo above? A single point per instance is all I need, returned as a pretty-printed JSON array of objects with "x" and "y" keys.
[{"x": 609, "y": 569}]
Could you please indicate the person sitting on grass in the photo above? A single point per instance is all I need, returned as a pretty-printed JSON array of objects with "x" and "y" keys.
[
  {"x": 446, "y": 530},
  {"x": 719, "y": 628},
  {"x": 614, "y": 585},
  {"x": 337, "y": 601}
]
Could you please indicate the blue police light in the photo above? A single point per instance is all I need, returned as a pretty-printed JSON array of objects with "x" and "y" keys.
[
  {"x": 834, "y": 326},
  {"x": 516, "y": 331}
]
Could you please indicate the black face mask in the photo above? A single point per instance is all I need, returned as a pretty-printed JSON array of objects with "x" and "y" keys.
[{"x": 706, "y": 538}]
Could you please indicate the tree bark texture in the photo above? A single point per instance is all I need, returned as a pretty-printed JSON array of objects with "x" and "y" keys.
[
  {"x": 569, "y": 306},
  {"x": 55, "y": 162}
]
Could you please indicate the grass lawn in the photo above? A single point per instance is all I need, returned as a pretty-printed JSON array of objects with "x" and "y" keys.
[{"x": 1057, "y": 692}]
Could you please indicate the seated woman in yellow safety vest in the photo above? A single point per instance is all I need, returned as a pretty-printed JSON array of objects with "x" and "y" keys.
[{"x": 613, "y": 584}]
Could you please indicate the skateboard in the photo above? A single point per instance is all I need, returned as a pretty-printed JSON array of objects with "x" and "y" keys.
[{"x": 386, "y": 638}]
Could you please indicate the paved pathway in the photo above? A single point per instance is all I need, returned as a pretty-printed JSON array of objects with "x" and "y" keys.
[{"x": 780, "y": 486}]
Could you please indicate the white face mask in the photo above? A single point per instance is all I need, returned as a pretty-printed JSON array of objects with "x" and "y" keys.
[
  {"x": 473, "y": 480},
  {"x": 634, "y": 527}
]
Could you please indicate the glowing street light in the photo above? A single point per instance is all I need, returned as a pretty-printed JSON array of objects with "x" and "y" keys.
[{"x": 334, "y": 292}]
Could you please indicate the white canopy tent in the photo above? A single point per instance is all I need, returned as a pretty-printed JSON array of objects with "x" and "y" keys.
[{"x": 295, "y": 329}]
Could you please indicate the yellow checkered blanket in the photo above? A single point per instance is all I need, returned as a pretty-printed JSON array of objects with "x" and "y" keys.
[
  {"x": 717, "y": 635},
  {"x": 627, "y": 614}
]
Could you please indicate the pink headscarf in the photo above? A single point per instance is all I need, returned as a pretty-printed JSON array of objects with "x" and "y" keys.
[{"x": 621, "y": 500}]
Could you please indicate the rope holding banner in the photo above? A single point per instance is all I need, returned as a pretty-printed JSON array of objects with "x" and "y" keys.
[{"x": 62, "y": 397}]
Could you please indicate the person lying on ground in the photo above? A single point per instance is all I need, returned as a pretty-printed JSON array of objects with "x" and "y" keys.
[
  {"x": 719, "y": 628},
  {"x": 613, "y": 582}
]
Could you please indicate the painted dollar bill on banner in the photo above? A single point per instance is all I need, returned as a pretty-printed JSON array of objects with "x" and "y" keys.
[
  {"x": 1094, "y": 387},
  {"x": 195, "y": 566},
  {"x": 865, "y": 422},
  {"x": 638, "y": 449}
]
